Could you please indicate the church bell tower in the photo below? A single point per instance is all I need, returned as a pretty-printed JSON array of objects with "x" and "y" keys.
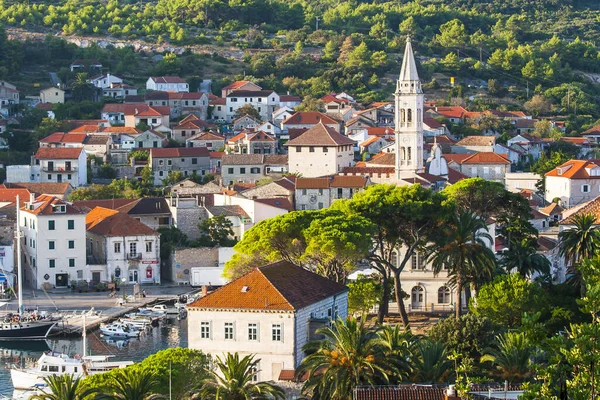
[{"x": 408, "y": 100}]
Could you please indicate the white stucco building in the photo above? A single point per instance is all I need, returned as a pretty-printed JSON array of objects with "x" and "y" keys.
[
  {"x": 53, "y": 241},
  {"x": 271, "y": 312},
  {"x": 320, "y": 151},
  {"x": 120, "y": 248},
  {"x": 167, "y": 84},
  {"x": 573, "y": 182}
]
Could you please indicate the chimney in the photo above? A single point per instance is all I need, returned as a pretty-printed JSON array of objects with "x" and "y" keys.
[
  {"x": 204, "y": 290},
  {"x": 31, "y": 198}
]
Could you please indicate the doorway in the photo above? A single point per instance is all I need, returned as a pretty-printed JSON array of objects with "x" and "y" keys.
[
  {"x": 417, "y": 297},
  {"x": 96, "y": 277},
  {"x": 133, "y": 276},
  {"x": 62, "y": 280}
]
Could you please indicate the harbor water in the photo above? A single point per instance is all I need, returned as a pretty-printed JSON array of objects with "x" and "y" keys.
[{"x": 25, "y": 353}]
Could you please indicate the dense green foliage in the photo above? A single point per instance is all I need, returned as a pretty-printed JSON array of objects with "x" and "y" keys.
[{"x": 186, "y": 367}]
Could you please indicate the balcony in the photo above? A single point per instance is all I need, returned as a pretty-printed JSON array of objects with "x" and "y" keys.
[
  {"x": 134, "y": 256},
  {"x": 58, "y": 169}
]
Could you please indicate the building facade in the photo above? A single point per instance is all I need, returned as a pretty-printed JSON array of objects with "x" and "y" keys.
[
  {"x": 53, "y": 241},
  {"x": 263, "y": 313}
]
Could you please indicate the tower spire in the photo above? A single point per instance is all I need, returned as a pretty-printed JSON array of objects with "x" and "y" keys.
[{"x": 408, "y": 72}]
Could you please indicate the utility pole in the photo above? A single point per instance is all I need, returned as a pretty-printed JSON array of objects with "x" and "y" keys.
[
  {"x": 317, "y": 18},
  {"x": 481, "y": 54},
  {"x": 527, "y": 89}
]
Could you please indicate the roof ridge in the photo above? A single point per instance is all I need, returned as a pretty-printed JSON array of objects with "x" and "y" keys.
[{"x": 272, "y": 284}]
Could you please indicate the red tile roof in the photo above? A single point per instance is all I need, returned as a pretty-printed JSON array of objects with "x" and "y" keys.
[
  {"x": 286, "y": 98},
  {"x": 107, "y": 222},
  {"x": 328, "y": 98},
  {"x": 171, "y": 152},
  {"x": 10, "y": 195},
  {"x": 380, "y": 131},
  {"x": 313, "y": 183},
  {"x": 343, "y": 181},
  {"x": 144, "y": 110},
  {"x": 277, "y": 203},
  {"x": 38, "y": 188},
  {"x": 576, "y": 169},
  {"x": 595, "y": 130},
  {"x": 590, "y": 207},
  {"x": 308, "y": 118},
  {"x": 275, "y": 287},
  {"x": 432, "y": 123},
  {"x": 61, "y": 137},
  {"x": 43, "y": 206},
  {"x": 58, "y": 153},
  {"x": 320, "y": 135},
  {"x": 477, "y": 158},
  {"x": 235, "y": 85}
]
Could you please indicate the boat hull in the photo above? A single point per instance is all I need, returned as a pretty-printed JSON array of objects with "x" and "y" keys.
[{"x": 25, "y": 330}]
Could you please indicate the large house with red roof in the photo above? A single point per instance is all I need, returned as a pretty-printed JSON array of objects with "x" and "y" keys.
[
  {"x": 252, "y": 142},
  {"x": 486, "y": 165},
  {"x": 320, "y": 151},
  {"x": 122, "y": 247},
  {"x": 52, "y": 165},
  {"x": 573, "y": 183},
  {"x": 307, "y": 120},
  {"x": 270, "y": 312},
  {"x": 156, "y": 117},
  {"x": 53, "y": 242}
]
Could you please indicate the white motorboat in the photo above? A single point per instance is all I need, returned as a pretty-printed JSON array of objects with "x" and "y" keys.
[
  {"x": 51, "y": 363},
  {"x": 118, "y": 330},
  {"x": 135, "y": 323}
]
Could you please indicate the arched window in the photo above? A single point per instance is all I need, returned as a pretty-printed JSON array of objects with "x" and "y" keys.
[
  {"x": 417, "y": 295},
  {"x": 403, "y": 151},
  {"x": 444, "y": 295},
  {"x": 409, "y": 153},
  {"x": 409, "y": 115},
  {"x": 402, "y": 115}
]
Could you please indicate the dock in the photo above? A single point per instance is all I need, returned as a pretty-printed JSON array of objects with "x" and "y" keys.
[{"x": 72, "y": 324}]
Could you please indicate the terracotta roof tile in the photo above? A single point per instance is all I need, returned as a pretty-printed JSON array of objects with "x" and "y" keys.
[
  {"x": 349, "y": 181},
  {"x": 321, "y": 135},
  {"x": 278, "y": 202},
  {"x": 10, "y": 195},
  {"x": 576, "y": 169},
  {"x": 369, "y": 170},
  {"x": 106, "y": 222},
  {"x": 61, "y": 137},
  {"x": 58, "y": 153},
  {"x": 39, "y": 188},
  {"x": 308, "y": 118},
  {"x": 591, "y": 207},
  {"x": 43, "y": 205},
  {"x": 380, "y": 131},
  {"x": 235, "y": 85},
  {"x": 552, "y": 209},
  {"x": 595, "y": 130},
  {"x": 112, "y": 204},
  {"x": 275, "y": 287},
  {"x": 313, "y": 183}
]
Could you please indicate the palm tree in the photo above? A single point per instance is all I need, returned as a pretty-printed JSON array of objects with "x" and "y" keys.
[
  {"x": 430, "y": 362},
  {"x": 64, "y": 387},
  {"x": 578, "y": 243},
  {"x": 234, "y": 380},
  {"x": 463, "y": 252},
  {"x": 512, "y": 358},
  {"x": 133, "y": 384},
  {"x": 523, "y": 257},
  {"x": 350, "y": 355}
]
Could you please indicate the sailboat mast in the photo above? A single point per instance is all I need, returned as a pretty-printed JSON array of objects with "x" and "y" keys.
[
  {"x": 84, "y": 335},
  {"x": 19, "y": 256}
]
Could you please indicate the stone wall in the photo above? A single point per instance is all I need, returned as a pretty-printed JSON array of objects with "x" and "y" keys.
[{"x": 182, "y": 260}]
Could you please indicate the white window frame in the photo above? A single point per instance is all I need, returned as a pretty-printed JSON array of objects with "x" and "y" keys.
[
  {"x": 205, "y": 330},
  {"x": 229, "y": 330},
  {"x": 585, "y": 188},
  {"x": 277, "y": 332},
  {"x": 255, "y": 336}
]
